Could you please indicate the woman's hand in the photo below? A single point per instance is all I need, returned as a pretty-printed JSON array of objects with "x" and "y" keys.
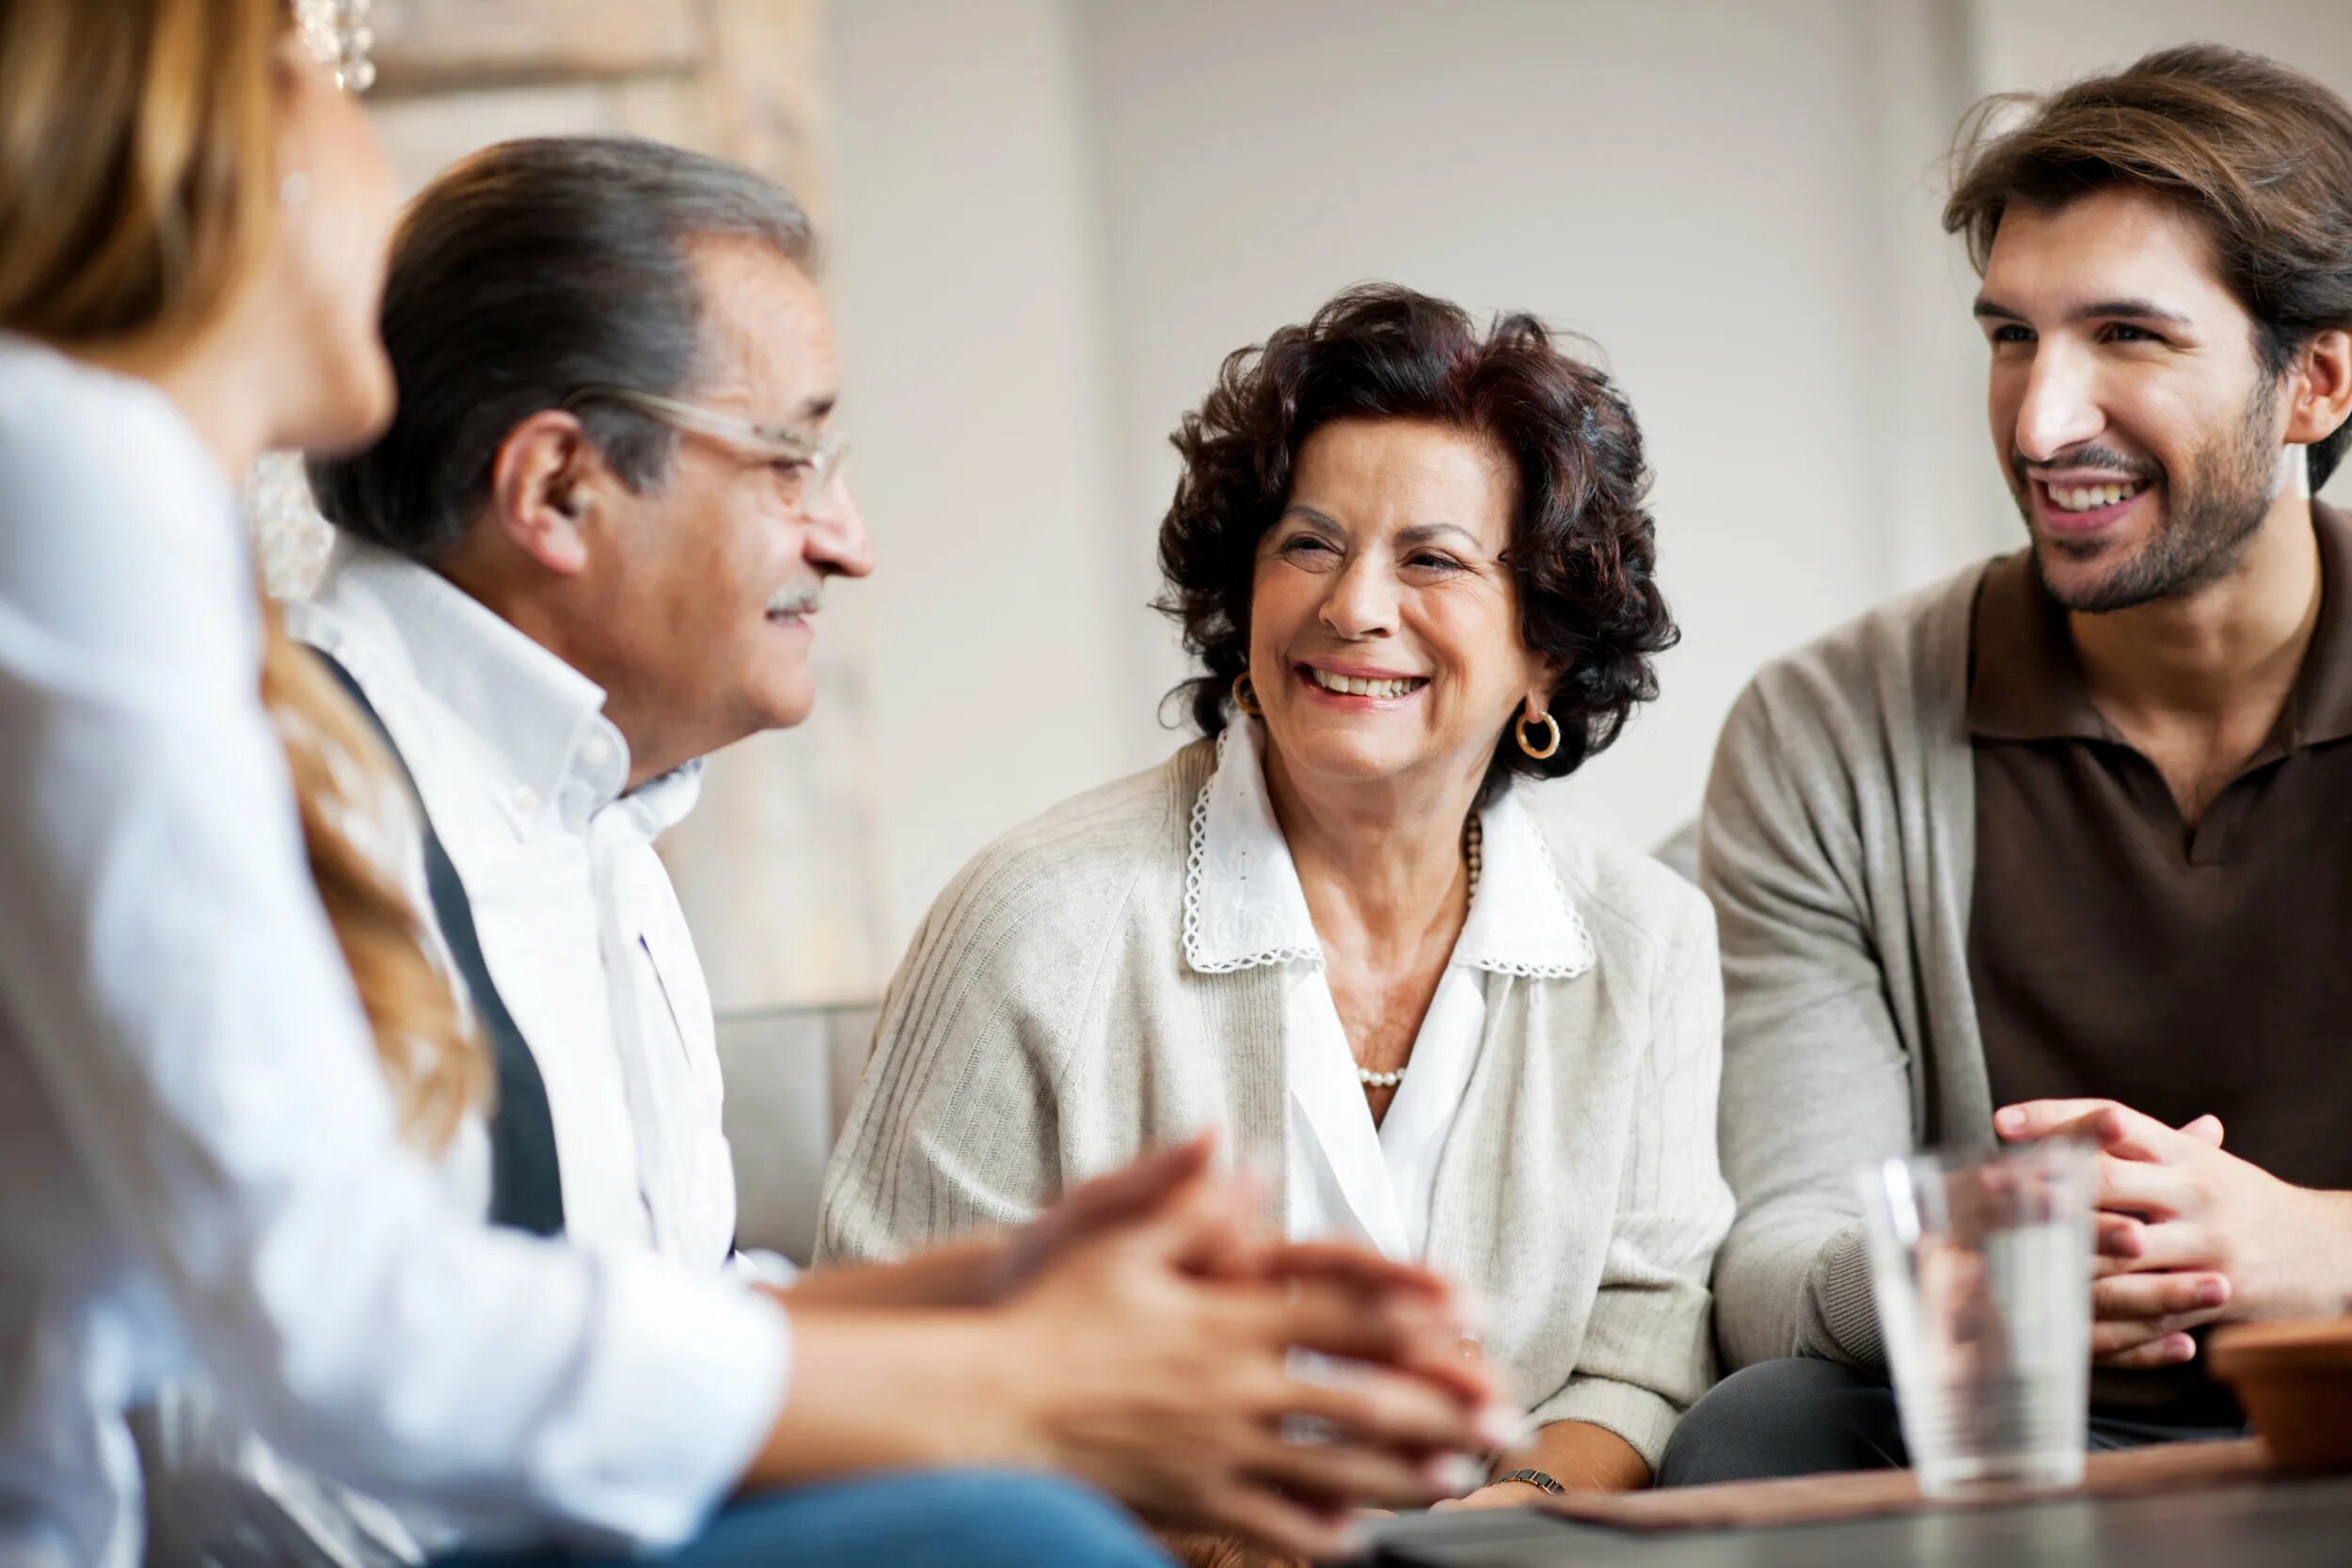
[
  {"x": 1496, "y": 1493},
  {"x": 1580, "y": 1456},
  {"x": 1095, "y": 1207},
  {"x": 984, "y": 1269},
  {"x": 1148, "y": 1350},
  {"x": 1155, "y": 1364}
]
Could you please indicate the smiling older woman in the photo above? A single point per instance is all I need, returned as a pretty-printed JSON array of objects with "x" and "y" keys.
[{"x": 1414, "y": 565}]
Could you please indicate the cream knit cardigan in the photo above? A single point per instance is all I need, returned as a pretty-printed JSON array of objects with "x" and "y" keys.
[{"x": 1045, "y": 1027}]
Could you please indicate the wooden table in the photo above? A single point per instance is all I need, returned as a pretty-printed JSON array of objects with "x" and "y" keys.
[{"x": 2209, "y": 1506}]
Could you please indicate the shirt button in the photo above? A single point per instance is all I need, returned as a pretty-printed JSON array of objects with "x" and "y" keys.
[
  {"x": 595, "y": 752},
  {"x": 526, "y": 799}
]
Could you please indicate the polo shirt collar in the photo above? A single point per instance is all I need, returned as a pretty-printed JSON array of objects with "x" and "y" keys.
[
  {"x": 2025, "y": 681},
  {"x": 2319, "y": 707}
]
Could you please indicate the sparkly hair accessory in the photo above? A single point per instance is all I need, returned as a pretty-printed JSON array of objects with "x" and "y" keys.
[{"x": 336, "y": 32}]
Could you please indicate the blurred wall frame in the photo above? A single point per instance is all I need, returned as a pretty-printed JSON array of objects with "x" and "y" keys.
[{"x": 775, "y": 869}]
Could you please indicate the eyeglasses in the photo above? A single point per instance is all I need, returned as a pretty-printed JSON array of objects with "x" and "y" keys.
[{"x": 808, "y": 467}]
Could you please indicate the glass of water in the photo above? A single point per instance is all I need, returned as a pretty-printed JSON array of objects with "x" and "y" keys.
[{"x": 1981, "y": 1269}]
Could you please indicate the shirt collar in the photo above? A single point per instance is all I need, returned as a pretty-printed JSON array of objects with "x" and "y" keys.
[
  {"x": 2026, "y": 682},
  {"x": 1243, "y": 906},
  {"x": 2320, "y": 706},
  {"x": 542, "y": 719}
]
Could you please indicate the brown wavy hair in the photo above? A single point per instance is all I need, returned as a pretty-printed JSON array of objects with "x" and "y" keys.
[
  {"x": 2261, "y": 154},
  {"x": 1583, "y": 547},
  {"x": 139, "y": 155}
]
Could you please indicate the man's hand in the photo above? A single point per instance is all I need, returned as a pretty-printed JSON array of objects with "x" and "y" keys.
[{"x": 2189, "y": 1234}]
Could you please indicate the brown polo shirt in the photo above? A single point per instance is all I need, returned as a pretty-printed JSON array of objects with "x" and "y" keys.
[{"x": 2116, "y": 951}]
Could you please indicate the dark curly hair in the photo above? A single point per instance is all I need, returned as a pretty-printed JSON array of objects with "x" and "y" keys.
[{"x": 1584, "y": 548}]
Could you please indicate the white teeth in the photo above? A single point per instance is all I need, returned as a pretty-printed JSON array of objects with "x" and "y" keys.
[
  {"x": 2090, "y": 498},
  {"x": 1355, "y": 685}
]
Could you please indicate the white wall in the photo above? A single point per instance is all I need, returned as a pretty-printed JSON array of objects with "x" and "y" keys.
[
  {"x": 1053, "y": 219},
  {"x": 2032, "y": 44},
  {"x": 2036, "y": 43},
  {"x": 1706, "y": 190},
  {"x": 961, "y": 270}
]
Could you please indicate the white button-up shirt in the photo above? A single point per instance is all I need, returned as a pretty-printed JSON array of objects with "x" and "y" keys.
[
  {"x": 1245, "y": 907},
  {"x": 200, "y": 1163},
  {"x": 524, "y": 779}
]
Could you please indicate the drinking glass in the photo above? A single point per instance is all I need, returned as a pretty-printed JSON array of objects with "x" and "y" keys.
[{"x": 1981, "y": 1269}]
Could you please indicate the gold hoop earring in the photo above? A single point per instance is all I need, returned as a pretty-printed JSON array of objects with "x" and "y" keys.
[
  {"x": 1246, "y": 695},
  {"x": 1550, "y": 745}
]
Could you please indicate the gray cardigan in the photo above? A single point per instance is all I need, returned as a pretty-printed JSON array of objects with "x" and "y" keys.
[
  {"x": 1839, "y": 844},
  {"x": 1045, "y": 1027}
]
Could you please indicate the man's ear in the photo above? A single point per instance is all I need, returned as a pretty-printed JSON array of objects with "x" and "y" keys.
[
  {"x": 2322, "y": 386},
  {"x": 544, "y": 486}
]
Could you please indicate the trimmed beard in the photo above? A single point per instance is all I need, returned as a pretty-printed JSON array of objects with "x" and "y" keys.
[{"x": 2211, "y": 514}]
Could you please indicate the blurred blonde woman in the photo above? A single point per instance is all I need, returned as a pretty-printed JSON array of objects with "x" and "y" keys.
[{"x": 218, "y": 1155}]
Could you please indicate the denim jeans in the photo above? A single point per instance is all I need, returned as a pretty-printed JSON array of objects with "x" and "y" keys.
[{"x": 934, "y": 1519}]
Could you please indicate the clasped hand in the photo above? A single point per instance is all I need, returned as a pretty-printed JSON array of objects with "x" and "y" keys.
[
  {"x": 1163, "y": 1315},
  {"x": 2188, "y": 1234}
]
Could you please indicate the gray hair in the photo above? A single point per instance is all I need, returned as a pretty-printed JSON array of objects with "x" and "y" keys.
[{"x": 525, "y": 273}]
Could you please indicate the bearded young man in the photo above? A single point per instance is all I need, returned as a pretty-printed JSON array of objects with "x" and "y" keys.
[{"x": 2061, "y": 845}]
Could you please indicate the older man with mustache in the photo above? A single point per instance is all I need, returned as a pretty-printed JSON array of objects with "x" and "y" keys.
[{"x": 585, "y": 554}]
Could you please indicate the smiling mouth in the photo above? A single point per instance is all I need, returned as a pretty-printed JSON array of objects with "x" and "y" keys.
[
  {"x": 1358, "y": 686},
  {"x": 792, "y": 609},
  {"x": 2079, "y": 498}
]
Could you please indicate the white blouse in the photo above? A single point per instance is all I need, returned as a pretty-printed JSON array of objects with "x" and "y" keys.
[
  {"x": 1243, "y": 907},
  {"x": 199, "y": 1159}
]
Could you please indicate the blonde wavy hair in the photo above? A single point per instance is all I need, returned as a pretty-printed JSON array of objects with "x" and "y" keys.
[{"x": 138, "y": 176}]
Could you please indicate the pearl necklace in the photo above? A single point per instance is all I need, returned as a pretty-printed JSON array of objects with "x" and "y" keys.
[{"x": 1474, "y": 854}]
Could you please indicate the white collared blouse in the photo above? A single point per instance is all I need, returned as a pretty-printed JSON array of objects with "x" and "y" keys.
[
  {"x": 1243, "y": 907},
  {"x": 199, "y": 1166}
]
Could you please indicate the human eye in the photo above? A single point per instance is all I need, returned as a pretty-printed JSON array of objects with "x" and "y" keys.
[
  {"x": 1432, "y": 560},
  {"x": 1304, "y": 547},
  {"x": 2008, "y": 333},
  {"x": 2130, "y": 332}
]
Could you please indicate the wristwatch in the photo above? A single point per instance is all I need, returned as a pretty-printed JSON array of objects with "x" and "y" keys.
[{"x": 1535, "y": 1479}]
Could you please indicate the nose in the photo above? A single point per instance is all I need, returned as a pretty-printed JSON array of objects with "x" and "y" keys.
[
  {"x": 1363, "y": 601},
  {"x": 2060, "y": 408},
  {"x": 837, "y": 542}
]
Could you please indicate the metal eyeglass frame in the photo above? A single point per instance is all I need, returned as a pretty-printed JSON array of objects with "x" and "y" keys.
[{"x": 820, "y": 461}]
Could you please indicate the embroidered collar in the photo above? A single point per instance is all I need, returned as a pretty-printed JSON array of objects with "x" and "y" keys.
[{"x": 1243, "y": 906}]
